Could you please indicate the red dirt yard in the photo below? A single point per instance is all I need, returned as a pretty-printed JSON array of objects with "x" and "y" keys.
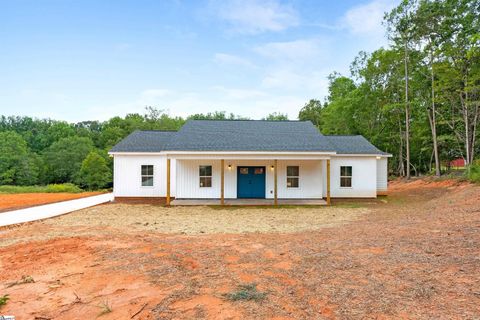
[
  {"x": 411, "y": 255},
  {"x": 23, "y": 200}
]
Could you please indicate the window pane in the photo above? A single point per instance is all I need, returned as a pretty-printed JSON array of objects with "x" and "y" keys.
[
  {"x": 205, "y": 171},
  {"x": 293, "y": 171},
  {"x": 292, "y": 182},
  {"x": 150, "y": 170},
  {"x": 205, "y": 182},
  {"x": 208, "y": 170},
  {"x": 144, "y": 170},
  {"x": 346, "y": 171},
  {"x": 147, "y": 181},
  {"x": 243, "y": 170},
  {"x": 258, "y": 171},
  {"x": 345, "y": 182}
]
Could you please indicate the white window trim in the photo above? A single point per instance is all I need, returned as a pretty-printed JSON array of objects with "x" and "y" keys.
[
  {"x": 351, "y": 178},
  {"x": 147, "y": 175},
  {"x": 287, "y": 176},
  {"x": 211, "y": 176}
]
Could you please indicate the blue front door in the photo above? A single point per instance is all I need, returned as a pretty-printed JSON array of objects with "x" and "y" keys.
[{"x": 251, "y": 182}]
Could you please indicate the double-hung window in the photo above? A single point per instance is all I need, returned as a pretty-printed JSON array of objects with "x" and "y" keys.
[
  {"x": 147, "y": 176},
  {"x": 293, "y": 176},
  {"x": 205, "y": 176},
  {"x": 346, "y": 176}
]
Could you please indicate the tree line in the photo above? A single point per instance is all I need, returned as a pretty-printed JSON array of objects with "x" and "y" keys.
[
  {"x": 45, "y": 151},
  {"x": 419, "y": 99}
]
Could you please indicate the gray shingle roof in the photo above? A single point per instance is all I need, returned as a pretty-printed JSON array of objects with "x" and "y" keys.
[
  {"x": 144, "y": 141},
  {"x": 353, "y": 145},
  {"x": 248, "y": 135},
  {"x": 244, "y": 135}
]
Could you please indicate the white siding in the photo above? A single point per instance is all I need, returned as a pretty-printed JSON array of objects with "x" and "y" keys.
[
  {"x": 189, "y": 187},
  {"x": 364, "y": 177},
  {"x": 382, "y": 174},
  {"x": 127, "y": 176}
]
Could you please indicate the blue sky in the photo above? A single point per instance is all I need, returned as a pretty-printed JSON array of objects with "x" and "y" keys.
[{"x": 91, "y": 60}]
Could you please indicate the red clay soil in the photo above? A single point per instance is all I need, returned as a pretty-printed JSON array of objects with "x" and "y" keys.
[
  {"x": 24, "y": 200},
  {"x": 414, "y": 257}
]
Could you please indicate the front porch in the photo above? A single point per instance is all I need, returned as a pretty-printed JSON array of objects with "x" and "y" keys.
[
  {"x": 250, "y": 179},
  {"x": 248, "y": 202}
]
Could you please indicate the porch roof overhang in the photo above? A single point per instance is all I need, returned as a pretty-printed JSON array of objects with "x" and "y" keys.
[{"x": 235, "y": 155}]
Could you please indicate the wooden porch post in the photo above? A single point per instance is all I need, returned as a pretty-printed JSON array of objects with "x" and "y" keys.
[
  {"x": 222, "y": 188},
  {"x": 328, "y": 182},
  {"x": 275, "y": 183},
  {"x": 168, "y": 182}
]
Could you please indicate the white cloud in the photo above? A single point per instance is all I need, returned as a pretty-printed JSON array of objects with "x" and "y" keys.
[
  {"x": 367, "y": 19},
  {"x": 256, "y": 16},
  {"x": 228, "y": 59}
]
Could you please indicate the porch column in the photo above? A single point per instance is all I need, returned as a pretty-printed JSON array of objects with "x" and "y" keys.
[
  {"x": 167, "y": 202},
  {"x": 222, "y": 179},
  {"x": 328, "y": 182},
  {"x": 275, "y": 183}
]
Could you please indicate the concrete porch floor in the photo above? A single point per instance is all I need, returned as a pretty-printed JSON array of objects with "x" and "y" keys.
[{"x": 247, "y": 202}]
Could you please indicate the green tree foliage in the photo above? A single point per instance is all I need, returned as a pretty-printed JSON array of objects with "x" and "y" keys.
[
  {"x": 17, "y": 166},
  {"x": 64, "y": 159},
  {"x": 427, "y": 83},
  {"x": 94, "y": 172},
  {"x": 276, "y": 116},
  {"x": 311, "y": 111}
]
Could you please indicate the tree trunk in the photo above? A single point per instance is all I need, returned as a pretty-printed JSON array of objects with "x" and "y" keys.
[
  {"x": 407, "y": 116},
  {"x": 433, "y": 125}
]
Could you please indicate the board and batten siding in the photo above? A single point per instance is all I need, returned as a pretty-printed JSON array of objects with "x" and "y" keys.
[
  {"x": 364, "y": 177},
  {"x": 127, "y": 176},
  {"x": 382, "y": 174},
  {"x": 188, "y": 184}
]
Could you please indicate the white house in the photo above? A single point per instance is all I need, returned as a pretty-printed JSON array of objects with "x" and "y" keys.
[{"x": 220, "y": 160}]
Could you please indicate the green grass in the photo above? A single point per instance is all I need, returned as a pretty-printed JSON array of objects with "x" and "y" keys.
[
  {"x": 4, "y": 299},
  {"x": 473, "y": 173},
  {"x": 246, "y": 292},
  {"x": 51, "y": 188}
]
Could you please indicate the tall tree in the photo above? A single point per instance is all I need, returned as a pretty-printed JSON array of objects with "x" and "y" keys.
[
  {"x": 400, "y": 29},
  {"x": 311, "y": 111}
]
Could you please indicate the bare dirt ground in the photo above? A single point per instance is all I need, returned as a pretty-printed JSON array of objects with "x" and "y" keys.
[
  {"x": 23, "y": 200},
  {"x": 411, "y": 255}
]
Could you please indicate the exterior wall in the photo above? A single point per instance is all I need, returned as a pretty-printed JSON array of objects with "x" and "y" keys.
[
  {"x": 382, "y": 175},
  {"x": 127, "y": 176},
  {"x": 187, "y": 176},
  {"x": 364, "y": 177}
]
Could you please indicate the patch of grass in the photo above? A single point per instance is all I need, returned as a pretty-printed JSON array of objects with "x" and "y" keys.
[
  {"x": 105, "y": 308},
  {"x": 4, "y": 299},
  {"x": 473, "y": 173},
  {"x": 350, "y": 205},
  {"x": 246, "y": 292},
  {"x": 51, "y": 188}
]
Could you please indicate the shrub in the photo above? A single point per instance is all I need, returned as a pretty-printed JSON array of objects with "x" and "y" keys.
[
  {"x": 473, "y": 172},
  {"x": 246, "y": 292},
  {"x": 4, "y": 299},
  {"x": 51, "y": 188}
]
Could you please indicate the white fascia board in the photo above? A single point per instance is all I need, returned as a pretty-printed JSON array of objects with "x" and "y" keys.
[
  {"x": 232, "y": 155},
  {"x": 362, "y": 155}
]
